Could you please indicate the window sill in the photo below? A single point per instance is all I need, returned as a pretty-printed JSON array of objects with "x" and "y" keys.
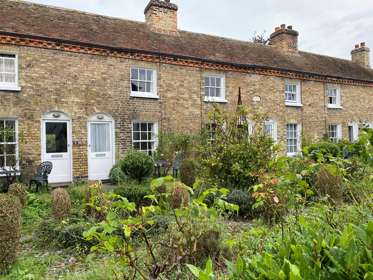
[
  {"x": 215, "y": 100},
  {"x": 288, "y": 104},
  {"x": 335, "y": 107},
  {"x": 293, "y": 154},
  {"x": 144, "y": 95},
  {"x": 10, "y": 88}
]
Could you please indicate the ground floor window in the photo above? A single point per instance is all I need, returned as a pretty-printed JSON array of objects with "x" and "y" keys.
[
  {"x": 144, "y": 136},
  {"x": 270, "y": 129},
  {"x": 8, "y": 143},
  {"x": 334, "y": 132},
  {"x": 353, "y": 131},
  {"x": 292, "y": 139}
]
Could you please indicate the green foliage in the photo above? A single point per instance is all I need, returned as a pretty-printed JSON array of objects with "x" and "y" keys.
[
  {"x": 135, "y": 192},
  {"x": 116, "y": 175},
  {"x": 10, "y": 224},
  {"x": 19, "y": 191},
  {"x": 188, "y": 172},
  {"x": 96, "y": 204},
  {"x": 234, "y": 158},
  {"x": 63, "y": 235},
  {"x": 61, "y": 204},
  {"x": 137, "y": 165},
  {"x": 329, "y": 183},
  {"x": 244, "y": 200},
  {"x": 323, "y": 151}
]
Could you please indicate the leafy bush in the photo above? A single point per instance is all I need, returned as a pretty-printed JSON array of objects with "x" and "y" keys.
[
  {"x": 61, "y": 204},
  {"x": 188, "y": 172},
  {"x": 116, "y": 175},
  {"x": 323, "y": 150},
  {"x": 180, "y": 196},
  {"x": 244, "y": 200},
  {"x": 134, "y": 192},
  {"x": 96, "y": 205},
  {"x": 329, "y": 182},
  {"x": 19, "y": 191},
  {"x": 68, "y": 234},
  {"x": 10, "y": 225},
  {"x": 233, "y": 158},
  {"x": 137, "y": 165}
]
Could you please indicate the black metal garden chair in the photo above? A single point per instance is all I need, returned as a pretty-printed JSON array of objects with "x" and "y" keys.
[
  {"x": 177, "y": 164},
  {"x": 41, "y": 178}
]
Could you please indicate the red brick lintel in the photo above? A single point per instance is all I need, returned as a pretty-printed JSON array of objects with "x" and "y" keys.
[{"x": 83, "y": 48}]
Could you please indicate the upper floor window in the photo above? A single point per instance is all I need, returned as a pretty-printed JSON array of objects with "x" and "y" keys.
[
  {"x": 334, "y": 97},
  {"x": 8, "y": 72},
  {"x": 292, "y": 93},
  {"x": 143, "y": 83},
  {"x": 293, "y": 139},
  {"x": 214, "y": 87},
  {"x": 144, "y": 136},
  {"x": 8, "y": 143},
  {"x": 270, "y": 129},
  {"x": 335, "y": 132}
]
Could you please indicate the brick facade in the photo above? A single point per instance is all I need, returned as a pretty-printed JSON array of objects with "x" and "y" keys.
[{"x": 81, "y": 82}]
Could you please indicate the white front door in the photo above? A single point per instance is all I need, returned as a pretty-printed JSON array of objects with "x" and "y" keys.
[
  {"x": 56, "y": 148},
  {"x": 100, "y": 149}
]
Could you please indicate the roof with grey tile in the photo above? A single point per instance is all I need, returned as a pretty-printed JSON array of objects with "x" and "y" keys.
[{"x": 28, "y": 19}]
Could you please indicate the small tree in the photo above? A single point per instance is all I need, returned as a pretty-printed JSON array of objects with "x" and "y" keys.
[{"x": 231, "y": 155}]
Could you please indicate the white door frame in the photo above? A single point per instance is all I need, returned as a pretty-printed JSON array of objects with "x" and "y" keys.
[
  {"x": 56, "y": 116},
  {"x": 97, "y": 118}
]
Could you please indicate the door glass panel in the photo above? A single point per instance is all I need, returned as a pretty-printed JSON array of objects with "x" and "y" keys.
[
  {"x": 56, "y": 137},
  {"x": 100, "y": 138}
]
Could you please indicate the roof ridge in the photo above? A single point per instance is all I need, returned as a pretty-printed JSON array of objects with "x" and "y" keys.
[{"x": 29, "y": 2}]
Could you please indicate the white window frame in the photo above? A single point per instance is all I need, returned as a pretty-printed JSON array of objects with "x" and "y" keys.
[
  {"x": 154, "y": 141},
  {"x": 12, "y": 143},
  {"x": 331, "y": 89},
  {"x": 11, "y": 86},
  {"x": 338, "y": 132},
  {"x": 273, "y": 135},
  {"x": 222, "y": 98},
  {"x": 355, "y": 131},
  {"x": 298, "y": 138},
  {"x": 298, "y": 98},
  {"x": 250, "y": 127},
  {"x": 154, "y": 92}
]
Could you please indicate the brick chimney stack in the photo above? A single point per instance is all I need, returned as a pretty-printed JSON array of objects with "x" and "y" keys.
[
  {"x": 161, "y": 16},
  {"x": 285, "y": 38},
  {"x": 361, "y": 55}
]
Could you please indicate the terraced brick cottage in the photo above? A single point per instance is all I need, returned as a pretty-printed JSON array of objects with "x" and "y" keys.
[{"x": 79, "y": 89}]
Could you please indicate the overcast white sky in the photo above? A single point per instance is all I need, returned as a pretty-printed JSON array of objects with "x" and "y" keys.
[{"x": 330, "y": 27}]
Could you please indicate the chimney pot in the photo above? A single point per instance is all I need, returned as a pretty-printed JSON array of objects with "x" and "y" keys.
[
  {"x": 283, "y": 26},
  {"x": 277, "y": 28},
  {"x": 290, "y": 27},
  {"x": 361, "y": 55},
  {"x": 285, "y": 39}
]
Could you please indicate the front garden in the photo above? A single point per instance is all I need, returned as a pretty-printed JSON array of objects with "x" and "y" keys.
[{"x": 237, "y": 209}]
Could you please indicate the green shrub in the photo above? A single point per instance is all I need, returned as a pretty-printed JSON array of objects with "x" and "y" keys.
[
  {"x": 329, "y": 183},
  {"x": 188, "y": 172},
  {"x": 61, "y": 204},
  {"x": 134, "y": 192},
  {"x": 323, "y": 150},
  {"x": 10, "y": 225},
  {"x": 116, "y": 175},
  {"x": 95, "y": 203},
  {"x": 244, "y": 200},
  {"x": 137, "y": 165},
  {"x": 69, "y": 234},
  {"x": 180, "y": 196},
  {"x": 19, "y": 191}
]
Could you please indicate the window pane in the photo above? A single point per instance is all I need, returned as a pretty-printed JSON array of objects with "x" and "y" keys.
[
  {"x": 136, "y": 145},
  {"x": 148, "y": 87},
  {"x": 212, "y": 92},
  {"x": 10, "y": 131},
  {"x": 144, "y": 146},
  {"x": 136, "y": 136},
  {"x": 144, "y": 135},
  {"x": 142, "y": 75},
  {"x": 207, "y": 91},
  {"x": 135, "y": 74},
  {"x": 207, "y": 82},
  {"x": 135, "y": 86},
  {"x": 9, "y": 65},
  {"x": 218, "y": 82},
  {"x": 56, "y": 137},
  {"x": 2, "y": 149},
  {"x": 217, "y": 92},
  {"x": 144, "y": 126},
  {"x": 136, "y": 127},
  {"x": 10, "y": 161},
  {"x": 10, "y": 149},
  {"x": 212, "y": 82},
  {"x": 149, "y": 75},
  {"x": 2, "y": 161},
  {"x": 100, "y": 137}
]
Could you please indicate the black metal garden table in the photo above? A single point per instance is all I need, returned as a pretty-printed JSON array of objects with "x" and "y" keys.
[{"x": 10, "y": 174}]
